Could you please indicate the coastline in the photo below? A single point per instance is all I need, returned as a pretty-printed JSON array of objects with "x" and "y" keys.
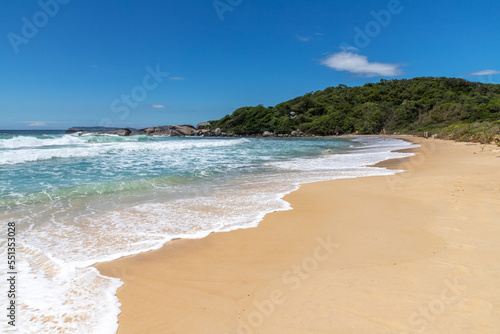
[{"x": 354, "y": 255}]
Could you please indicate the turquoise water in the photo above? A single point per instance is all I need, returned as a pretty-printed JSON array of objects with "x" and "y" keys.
[
  {"x": 81, "y": 200},
  {"x": 44, "y": 163}
]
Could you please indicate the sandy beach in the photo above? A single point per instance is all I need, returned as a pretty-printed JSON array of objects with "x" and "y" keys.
[{"x": 416, "y": 252}]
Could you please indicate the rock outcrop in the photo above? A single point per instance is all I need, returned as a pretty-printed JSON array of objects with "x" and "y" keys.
[
  {"x": 123, "y": 132},
  {"x": 203, "y": 125},
  {"x": 186, "y": 130},
  {"x": 171, "y": 131},
  {"x": 91, "y": 129},
  {"x": 165, "y": 131}
]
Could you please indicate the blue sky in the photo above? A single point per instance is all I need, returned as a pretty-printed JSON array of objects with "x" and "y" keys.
[{"x": 142, "y": 63}]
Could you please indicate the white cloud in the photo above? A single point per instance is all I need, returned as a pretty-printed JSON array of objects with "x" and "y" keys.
[
  {"x": 37, "y": 124},
  {"x": 359, "y": 64},
  {"x": 303, "y": 38},
  {"x": 176, "y": 78},
  {"x": 158, "y": 106},
  {"x": 485, "y": 72},
  {"x": 349, "y": 48},
  {"x": 44, "y": 123}
]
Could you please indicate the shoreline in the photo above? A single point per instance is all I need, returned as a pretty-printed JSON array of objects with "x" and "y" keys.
[{"x": 288, "y": 275}]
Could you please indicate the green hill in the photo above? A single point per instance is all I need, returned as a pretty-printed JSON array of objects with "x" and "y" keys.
[{"x": 441, "y": 104}]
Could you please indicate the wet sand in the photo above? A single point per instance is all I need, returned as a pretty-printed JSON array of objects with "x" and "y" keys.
[{"x": 417, "y": 252}]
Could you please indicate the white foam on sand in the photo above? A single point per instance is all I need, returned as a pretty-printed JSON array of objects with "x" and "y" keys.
[{"x": 60, "y": 293}]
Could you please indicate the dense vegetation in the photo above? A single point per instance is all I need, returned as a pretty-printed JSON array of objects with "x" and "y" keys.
[{"x": 419, "y": 104}]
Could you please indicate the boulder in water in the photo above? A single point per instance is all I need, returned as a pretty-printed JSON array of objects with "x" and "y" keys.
[{"x": 123, "y": 132}]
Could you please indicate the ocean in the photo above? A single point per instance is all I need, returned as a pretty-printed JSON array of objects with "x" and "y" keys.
[{"x": 79, "y": 200}]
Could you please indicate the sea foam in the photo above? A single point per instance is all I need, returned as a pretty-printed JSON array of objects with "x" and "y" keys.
[{"x": 171, "y": 188}]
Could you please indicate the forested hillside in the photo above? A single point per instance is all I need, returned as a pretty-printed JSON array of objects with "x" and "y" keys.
[{"x": 397, "y": 105}]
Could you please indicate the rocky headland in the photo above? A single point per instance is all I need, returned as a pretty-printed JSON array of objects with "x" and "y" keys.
[
  {"x": 165, "y": 131},
  {"x": 201, "y": 130}
]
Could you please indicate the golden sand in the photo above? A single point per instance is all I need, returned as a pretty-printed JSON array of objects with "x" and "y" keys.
[{"x": 417, "y": 252}]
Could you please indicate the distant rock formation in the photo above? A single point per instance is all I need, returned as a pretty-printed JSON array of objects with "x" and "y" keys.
[
  {"x": 92, "y": 129},
  {"x": 201, "y": 130},
  {"x": 168, "y": 131},
  {"x": 165, "y": 131},
  {"x": 123, "y": 132}
]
